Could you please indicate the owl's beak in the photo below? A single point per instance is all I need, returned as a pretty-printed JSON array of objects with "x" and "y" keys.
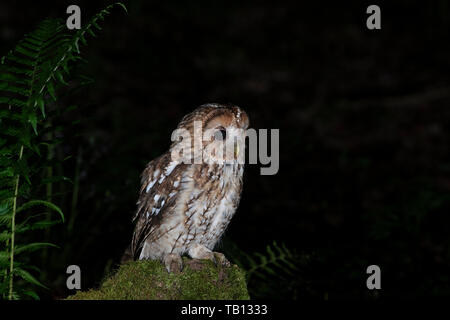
[{"x": 236, "y": 150}]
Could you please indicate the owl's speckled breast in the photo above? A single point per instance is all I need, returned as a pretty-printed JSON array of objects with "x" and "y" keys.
[
  {"x": 213, "y": 209},
  {"x": 209, "y": 196}
]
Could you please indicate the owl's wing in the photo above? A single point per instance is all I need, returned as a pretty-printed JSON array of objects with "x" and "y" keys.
[{"x": 160, "y": 185}]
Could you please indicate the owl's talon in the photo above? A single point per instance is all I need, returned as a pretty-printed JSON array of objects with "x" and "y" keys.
[
  {"x": 209, "y": 256},
  {"x": 220, "y": 259},
  {"x": 173, "y": 263}
]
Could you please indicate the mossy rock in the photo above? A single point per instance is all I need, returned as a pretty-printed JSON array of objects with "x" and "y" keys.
[{"x": 149, "y": 280}]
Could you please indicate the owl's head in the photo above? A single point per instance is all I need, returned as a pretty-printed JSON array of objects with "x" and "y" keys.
[{"x": 212, "y": 133}]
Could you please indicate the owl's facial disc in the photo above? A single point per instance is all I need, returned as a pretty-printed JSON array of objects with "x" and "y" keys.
[
  {"x": 213, "y": 134},
  {"x": 224, "y": 140},
  {"x": 224, "y": 145}
]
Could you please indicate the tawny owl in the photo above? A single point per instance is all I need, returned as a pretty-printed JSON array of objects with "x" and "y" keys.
[{"x": 190, "y": 193}]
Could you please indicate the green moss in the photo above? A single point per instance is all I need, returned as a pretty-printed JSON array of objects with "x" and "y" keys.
[{"x": 149, "y": 280}]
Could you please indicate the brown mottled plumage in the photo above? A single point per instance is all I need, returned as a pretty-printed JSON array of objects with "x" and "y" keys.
[{"x": 183, "y": 207}]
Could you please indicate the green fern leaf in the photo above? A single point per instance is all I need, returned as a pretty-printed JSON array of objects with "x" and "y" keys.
[
  {"x": 25, "y": 275},
  {"x": 5, "y": 207},
  {"x": 32, "y": 247},
  {"x": 31, "y": 294},
  {"x": 47, "y": 204}
]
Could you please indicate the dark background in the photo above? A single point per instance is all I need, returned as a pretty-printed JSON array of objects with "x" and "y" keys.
[{"x": 364, "y": 135}]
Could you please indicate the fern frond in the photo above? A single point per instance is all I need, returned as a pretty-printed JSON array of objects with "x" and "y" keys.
[
  {"x": 276, "y": 262},
  {"x": 36, "y": 65},
  {"x": 30, "y": 77},
  {"x": 33, "y": 247},
  {"x": 47, "y": 204},
  {"x": 25, "y": 275},
  {"x": 5, "y": 219},
  {"x": 5, "y": 236}
]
